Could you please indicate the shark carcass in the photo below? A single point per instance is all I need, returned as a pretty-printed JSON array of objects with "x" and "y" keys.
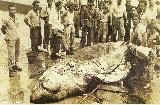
[{"x": 89, "y": 67}]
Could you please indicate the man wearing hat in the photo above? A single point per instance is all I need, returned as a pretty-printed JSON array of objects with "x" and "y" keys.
[{"x": 32, "y": 19}]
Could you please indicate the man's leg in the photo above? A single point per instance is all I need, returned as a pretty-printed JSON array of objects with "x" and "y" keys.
[
  {"x": 90, "y": 36},
  {"x": 72, "y": 33},
  {"x": 100, "y": 34},
  {"x": 110, "y": 28},
  {"x": 77, "y": 31},
  {"x": 55, "y": 45},
  {"x": 106, "y": 33},
  {"x": 47, "y": 33},
  {"x": 11, "y": 53},
  {"x": 127, "y": 31},
  {"x": 34, "y": 39},
  {"x": 67, "y": 37},
  {"x": 83, "y": 38},
  {"x": 114, "y": 34},
  {"x": 39, "y": 36},
  {"x": 95, "y": 36},
  {"x": 17, "y": 50},
  {"x": 121, "y": 30},
  {"x": 17, "y": 53}
]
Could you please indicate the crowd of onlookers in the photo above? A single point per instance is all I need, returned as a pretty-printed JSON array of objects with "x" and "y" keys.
[{"x": 92, "y": 23}]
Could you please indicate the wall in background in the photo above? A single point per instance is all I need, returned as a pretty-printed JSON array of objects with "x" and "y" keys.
[{"x": 21, "y": 8}]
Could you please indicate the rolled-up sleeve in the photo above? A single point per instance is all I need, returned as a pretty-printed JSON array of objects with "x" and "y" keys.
[{"x": 28, "y": 15}]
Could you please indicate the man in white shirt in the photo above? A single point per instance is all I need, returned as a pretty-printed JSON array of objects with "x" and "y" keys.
[
  {"x": 69, "y": 29},
  {"x": 119, "y": 14},
  {"x": 138, "y": 32},
  {"x": 47, "y": 15},
  {"x": 150, "y": 13},
  {"x": 53, "y": 27},
  {"x": 10, "y": 25},
  {"x": 32, "y": 19},
  {"x": 109, "y": 5}
]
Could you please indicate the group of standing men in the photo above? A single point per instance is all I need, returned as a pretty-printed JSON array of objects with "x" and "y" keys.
[
  {"x": 58, "y": 27},
  {"x": 129, "y": 23},
  {"x": 99, "y": 24}
]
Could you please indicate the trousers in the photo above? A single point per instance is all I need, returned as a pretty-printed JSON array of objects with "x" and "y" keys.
[
  {"x": 36, "y": 38},
  {"x": 87, "y": 36},
  {"x": 69, "y": 36},
  {"x": 47, "y": 34},
  {"x": 118, "y": 26},
  {"x": 13, "y": 47}
]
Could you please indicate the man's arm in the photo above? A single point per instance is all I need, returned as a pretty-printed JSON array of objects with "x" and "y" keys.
[
  {"x": 3, "y": 29},
  {"x": 26, "y": 21},
  {"x": 27, "y": 17},
  {"x": 156, "y": 26},
  {"x": 44, "y": 15},
  {"x": 157, "y": 29}
]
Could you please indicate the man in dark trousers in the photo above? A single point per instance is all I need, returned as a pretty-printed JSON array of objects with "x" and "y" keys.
[
  {"x": 32, "y": 19},
  {"x": 87, "y": 23},
  {"x": 127, "y": 21}
]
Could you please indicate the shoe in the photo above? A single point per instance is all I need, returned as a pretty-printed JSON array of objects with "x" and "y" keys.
[
  {"x": 71, "y": 50},
  {"x": 45, "y": 50},
  {"x": 67, "y": 52},
  {"x": 17, "y": 68},
  {"x": 55, "y": 57},
  {"x": 77, "y": 36},
  {"x": 40, "y": 48},
  {"x": 12, "y": 71}
]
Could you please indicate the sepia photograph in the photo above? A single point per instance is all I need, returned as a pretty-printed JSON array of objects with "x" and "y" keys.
[{"x": 79, "y": 51}]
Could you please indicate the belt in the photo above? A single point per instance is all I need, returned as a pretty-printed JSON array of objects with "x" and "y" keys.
[
  {"x": 36, "y": 27},
  {"x": 88, "y": 19},
  {"x": 119, "y": 17}
]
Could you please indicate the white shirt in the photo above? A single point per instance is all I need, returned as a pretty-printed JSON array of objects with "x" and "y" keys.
[
  {"x": 140, "y": 30},
  {"x": 150, "y": 14},
  {"x": 68, "y": 17},
  {"x": 54, "y": 17},
  {"x": 119, "y": 11},
  {"x": 56, "y": 22},
  {"x": 11, "y": 27},
  {"x": 33, "y": 17}
]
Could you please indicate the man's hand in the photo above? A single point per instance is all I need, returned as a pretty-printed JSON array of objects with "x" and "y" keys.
[
  {"x": 27, "y": 23},
  {"x": 6, "y": 39},
  {"x": 3, "y": 29}
]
